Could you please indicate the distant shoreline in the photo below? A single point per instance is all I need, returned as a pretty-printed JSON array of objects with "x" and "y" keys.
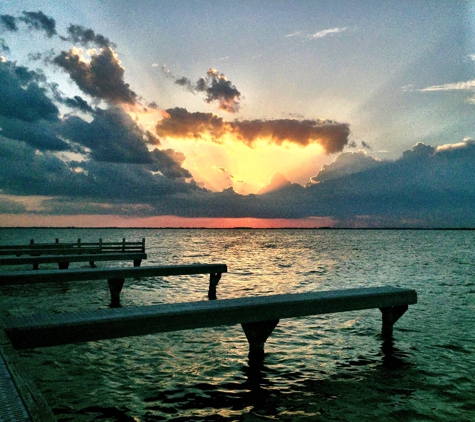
[{"x": 237, "y": 228}]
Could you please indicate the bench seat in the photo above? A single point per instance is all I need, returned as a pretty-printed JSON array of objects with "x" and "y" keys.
[
  {"x": 56, "y": 250},
  {"x": 258, "y": 315},
  {"x": 64, "y": 260},
  {"x": 115, "y": 276}
]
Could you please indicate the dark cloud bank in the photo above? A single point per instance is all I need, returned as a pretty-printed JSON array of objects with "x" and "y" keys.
[{"x": 123, "y": 171}]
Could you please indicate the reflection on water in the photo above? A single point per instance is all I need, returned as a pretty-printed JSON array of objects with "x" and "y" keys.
[{"x": 325, "y": 368}]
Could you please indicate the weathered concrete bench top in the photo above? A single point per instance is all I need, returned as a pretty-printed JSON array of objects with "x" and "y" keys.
[
  {"x": 66, "y": 259},
  {"x": 78, "y": 247},
  {"x": 75, "y": 327},
  {"x": 44, "y": 259},
  {"x": 115, "y": 276},
  {"x": 51, "y": 250},
  {"x": 85, "y": 274},
  {"x": 20, "y": 400}
]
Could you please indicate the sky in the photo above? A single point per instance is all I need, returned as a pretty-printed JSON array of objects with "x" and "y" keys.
[{"x": 237, "y": 113}]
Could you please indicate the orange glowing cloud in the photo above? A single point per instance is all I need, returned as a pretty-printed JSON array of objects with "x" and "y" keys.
[{"x": 180, "y": 123}]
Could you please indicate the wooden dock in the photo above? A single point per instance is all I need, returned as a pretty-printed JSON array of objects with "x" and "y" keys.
[{"x": 21, "y": 401}]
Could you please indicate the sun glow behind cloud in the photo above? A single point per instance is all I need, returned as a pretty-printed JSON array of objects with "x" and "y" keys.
[{"x": 246, "y": 169}]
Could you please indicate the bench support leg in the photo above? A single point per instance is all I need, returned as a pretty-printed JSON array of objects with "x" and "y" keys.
[
  {"x": 390, "y": 315},
  {"x": 91, "y": 264},
  {"x": 213, "y": 283},
  {"x": 115, "y": 287},
  {"x": 137, "y": 262},
  {"x": 63, "y": 265},
  {"x": 257, "y": 333},
  {"x": 35, "y": 266}
]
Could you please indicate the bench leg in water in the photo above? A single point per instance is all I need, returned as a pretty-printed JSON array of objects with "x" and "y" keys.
[
  {"x": 115, "y": 287},
  {"x": 137, "y": 262},
  {"x": 390, "y": 315},
  {"x": 63, "y": 265},
  {"x": 213, "y": 283},
  {"x": 257, "y": 333}
]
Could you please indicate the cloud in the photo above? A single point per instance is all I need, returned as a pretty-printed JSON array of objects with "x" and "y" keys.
[
  {"x": 468, "y": 85},
  {"x": 456, "y": 86},
  {"x": 3, "y": 47},
  {"x": 113, "y": 137},
  {"x": 85, "y": 37},
  {"x": 116, "y": 167},
  {"x": 319, "y": 34},
  {"x": 26, "y": 112},
  {"x": 9, "y": 22},
  {"x": 216, "y": 87},
  {"x": 277, "y": 182},
  {"x": 332, "y": 136},
  {"x": 327, "y": 32},
  {"x": 34, "y": 20},
  {"x": 180, "y": 123},
  {"x": 38, "y": 20},
  {"x": 345, "y": 164},
  {"x": 25, "y": 171},
  {"x": 104, "y": 163},
  {"x": 102, "y": 77},
  {"x": 21, "y": 95},
  {"x": 9, "y": 206}
]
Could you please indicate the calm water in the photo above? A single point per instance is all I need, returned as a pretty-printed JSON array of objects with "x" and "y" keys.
[{"x": 325, "y": 368}]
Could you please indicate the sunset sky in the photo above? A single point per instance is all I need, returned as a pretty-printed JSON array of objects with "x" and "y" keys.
[{"x": 237, "y": 113}]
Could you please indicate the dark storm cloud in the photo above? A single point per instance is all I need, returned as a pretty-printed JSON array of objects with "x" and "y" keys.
[
  {"x": 101, "y": 78},
  {"x": 8, "y": 22},
  {"x": 112, "y": 136},
  {"x": 40, "y": 134},
  {"x": 78, "y": 103},
  {"x": 168, "y": 162},
  {"x": 38, "y": 20},
  {"x": 332, "y": 136},
  {"x": 346, "y": 163},
  {"x": 118, "y": 169},
  {"x": 215, "y": 86},
  {"x": 24, "y": 171},
  {"x": 218, "y": 88},
  {"x": 21, "y": 95},
  {"x": 26, "y": 112},
  {"x": 427, "y": 186},
  {"x": 3, "y": 46},
  {"x": 426, "y": 183},
  {"x": 183, "y": 124},
  {"x": 34, "y": 20},
  {"x": 8, "y": 206},
  {"x": 85, "y": 37}
]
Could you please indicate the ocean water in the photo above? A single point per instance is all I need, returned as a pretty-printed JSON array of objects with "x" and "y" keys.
[{"x": 324, "y": 368}]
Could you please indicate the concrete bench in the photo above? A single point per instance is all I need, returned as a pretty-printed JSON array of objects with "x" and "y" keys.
[
  {"x": 56, "y": 248},
  {"x": 64, "y": 260},
  {"x": 50, "y": 250},
  {"x": 257, "y": 315},
  {"x": 115, "y": 276}
]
